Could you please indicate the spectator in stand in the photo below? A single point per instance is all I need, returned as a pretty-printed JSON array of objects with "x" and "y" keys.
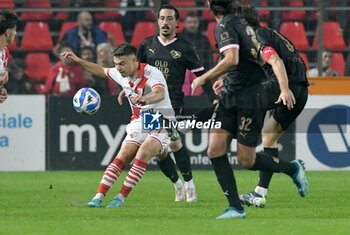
[
  {"x": 19, "y": 82},
  {"x": 88, "y": 53},
  {"x": 192, "y": 32},
  {"x": 327, "y": 58},
  {"x": 105, "y": 59},
  {"x": 85, "y": 33},
  {"x": 65, "y": 77}
]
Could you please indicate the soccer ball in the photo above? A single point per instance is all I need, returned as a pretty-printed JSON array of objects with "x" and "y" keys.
[{"x": 86, "y": 101}]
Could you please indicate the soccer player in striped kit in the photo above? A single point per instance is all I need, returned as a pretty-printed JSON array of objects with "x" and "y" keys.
[
  {"x": 8, "y": 25},
  {"x": 146, "y": 90}
]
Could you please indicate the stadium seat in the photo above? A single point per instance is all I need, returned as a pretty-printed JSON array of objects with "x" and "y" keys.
[
  {"x": 264, "y": 14},
  {"x": 295, "y": 32},
  {"x": 108, "y": 15},
  {"x": 332, "y": 37},
  {"x": 142, "y": 30},
  {"x": 338, "y": 63},
  {"x": 7, "y": 4},
  {"x": 115, "y": 29},
  {"x": 36, "y": 37},
  {"x": 66, "y": 26},
  {"x": 305, "y": 59},
  {"x": 263, "y": 24},
  {"x": 44, "y": 15},
  {"x": 38, "y": 66},
  {"x": 206, "y": 15},
  {"x": 210, "y": 34},
  {"x": 183, "y": 3},
  {"x": 296, "y": 14},
  {"x": 63, "y": 15}
]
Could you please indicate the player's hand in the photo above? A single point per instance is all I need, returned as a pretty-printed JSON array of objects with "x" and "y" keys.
[
  {"x": 70, "y": 55},
  {"x": 4, "y": 77},
  {"x": 121, "y": 96},
  {"x": 3, "y": 94},
  {"x": 140, "y": 100},
  {"x": 287, "y": 98},
  {"x": 199, "y": 81},
  {"x": 218, "y": 87}
]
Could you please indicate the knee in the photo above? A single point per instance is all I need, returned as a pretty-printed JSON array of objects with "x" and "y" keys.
[
  {"x": 245, "y": 160},
  {"x": 268, "y": 141},
  {"x": 175, "y": 145},
  {"x": 214, "y": 151}
]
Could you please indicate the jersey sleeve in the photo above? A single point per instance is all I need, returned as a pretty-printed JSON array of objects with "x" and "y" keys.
[
  {"x": 225, "y": 38},
  {"x": 157, "y": 78},
  {"x": 193, "y": 63},
  {"x": 112, "y": 73}
]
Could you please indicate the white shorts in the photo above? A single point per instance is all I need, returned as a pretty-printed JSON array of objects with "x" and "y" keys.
[{"x": 135, "y": 134}]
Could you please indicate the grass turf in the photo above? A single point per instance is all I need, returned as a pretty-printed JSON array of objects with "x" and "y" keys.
[{"x": 55, "y": 203}]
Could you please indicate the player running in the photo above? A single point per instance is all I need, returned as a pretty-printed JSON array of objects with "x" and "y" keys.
[
  {"x": 173, "y": 54},
  {"x": 147, "y": 92},
  {"x": 282, "y": 63},
  {"x": 242, "y": 108},
  {"x": 8, "y": 26}
]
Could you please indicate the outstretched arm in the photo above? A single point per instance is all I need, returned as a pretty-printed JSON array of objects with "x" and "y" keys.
[
  {"x": 157, "y": 95},
  {"x": 231, "y": 59},
  {"x": 93, "y": 68}
]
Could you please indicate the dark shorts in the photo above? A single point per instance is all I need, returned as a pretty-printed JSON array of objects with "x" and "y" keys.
[
  {"x": 245, "y": 120},
  {"x": 286, "y": 117}
]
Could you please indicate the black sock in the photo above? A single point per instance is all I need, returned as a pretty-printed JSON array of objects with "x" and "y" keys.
[
  {"x": 183, "y": 163},
  {"x": 227, "y": 181},
  {"x": 265, "y": 176},
  {"x": 168, "y": 168},
  {"x": 266, "y": 163}
]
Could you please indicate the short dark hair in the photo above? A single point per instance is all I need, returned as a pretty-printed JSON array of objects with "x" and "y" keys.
[
  {"x": 167, "y": 6},
  {"x": 251, "y": 15},
  {"x": 192, "y": 14},
  {"x": 8, "y": 20},
  {"x": 125, "y": 49},
  {"x": 64, "y": 44}
]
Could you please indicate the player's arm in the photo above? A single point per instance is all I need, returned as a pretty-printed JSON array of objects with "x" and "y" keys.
[
  {"x": 157, "y": 95},
  {"x": 207, "y": 86},
  {"x": 271, "y": 57},
  {"x": 231, "y": 59},
  {"x": 3, "y": 94},
  {"x": 93, "y": 68}
]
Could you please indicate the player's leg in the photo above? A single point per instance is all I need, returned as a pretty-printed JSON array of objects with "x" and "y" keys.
[
  {"x": 219, "y": 140},
  {"x": 123, "y": 158},
  {"x": 149, "y": 148}
]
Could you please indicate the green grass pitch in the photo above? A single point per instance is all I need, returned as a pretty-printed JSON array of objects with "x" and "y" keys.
[{"x": 29, "y": 205}]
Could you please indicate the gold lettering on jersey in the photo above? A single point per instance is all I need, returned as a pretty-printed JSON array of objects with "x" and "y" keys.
[
  {"x": 163, "y": 67},
  {"x": 175, "y": 54},
  {"x": 254, "y": 51}
]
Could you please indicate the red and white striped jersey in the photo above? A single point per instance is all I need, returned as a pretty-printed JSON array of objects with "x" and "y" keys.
[
  {"x": 4, "y": 56},
  {"x": 147, "y": 78}
]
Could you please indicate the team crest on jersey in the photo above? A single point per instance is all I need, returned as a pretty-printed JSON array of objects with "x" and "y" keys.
[
  {"x": 224, "y": 36},
  {"x": 175, "y": 54}
]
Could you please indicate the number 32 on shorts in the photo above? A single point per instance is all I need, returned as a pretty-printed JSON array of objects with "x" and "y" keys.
[{"x": 245, "y": 123}]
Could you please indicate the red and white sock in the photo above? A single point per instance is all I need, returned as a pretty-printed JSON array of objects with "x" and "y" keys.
[
  {"x": 109, "y": 177},
  {"x": 134, "y": 176}
]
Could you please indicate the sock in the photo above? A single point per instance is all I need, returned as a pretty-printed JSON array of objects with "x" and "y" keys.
[
  {"x": 110, "y": 176},
  {"x": 134, "y": 176},
  {"x": 178, "y": 183},
  {"x": 184, "y": 164},
  {"x": 167, "y": 166},
  {"x": 265, "y": 176},
  {"x": 260, "y": 190},
  {"x": 227, "y": 180},
  {"x": 266, "y": 163}
]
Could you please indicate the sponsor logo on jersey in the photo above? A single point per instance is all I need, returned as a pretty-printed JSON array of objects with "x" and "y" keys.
[{"x": 175, "y": 54}]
